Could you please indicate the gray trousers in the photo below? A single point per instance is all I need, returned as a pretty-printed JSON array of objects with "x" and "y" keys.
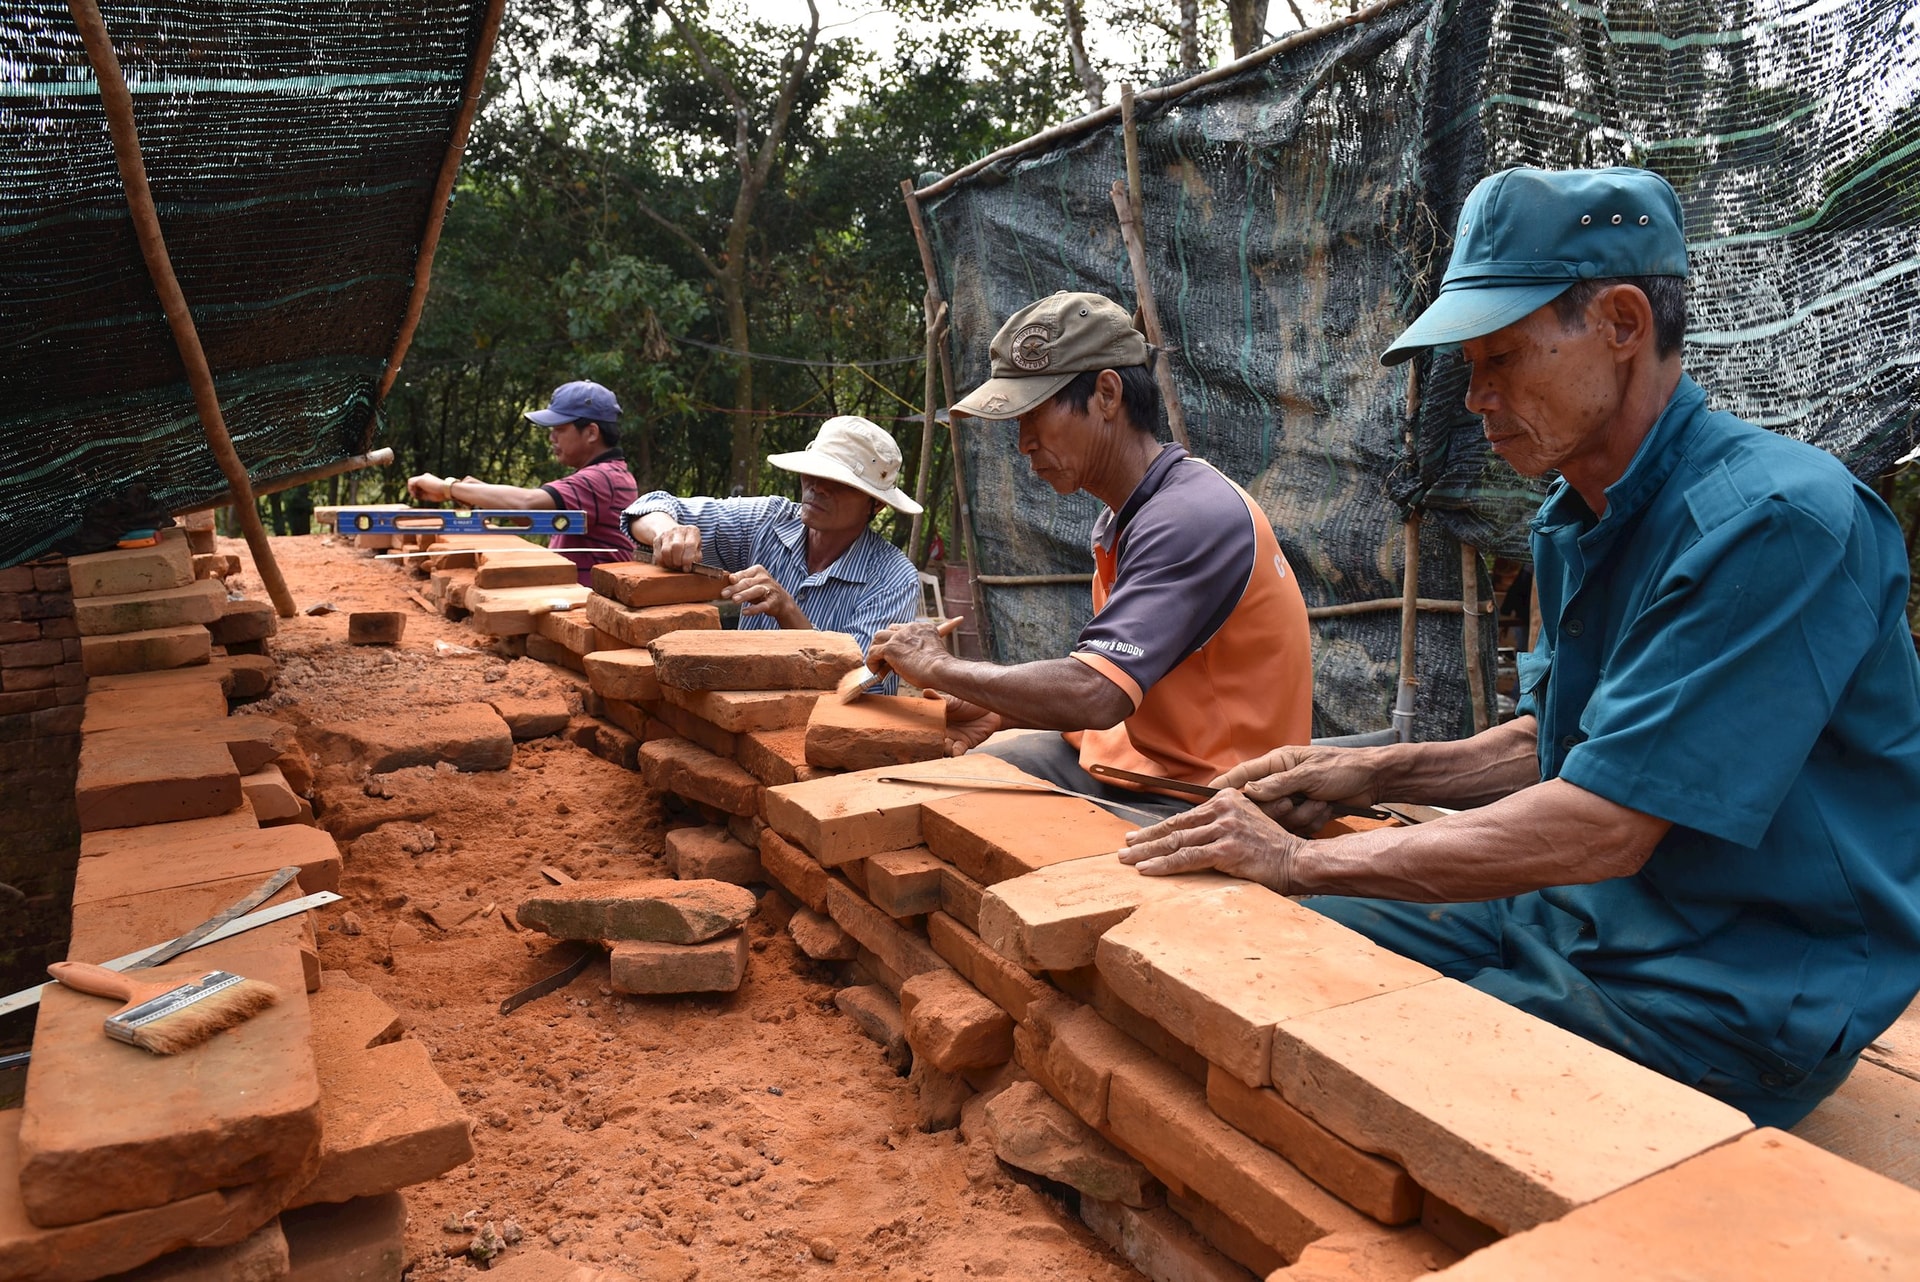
[{"x": 1047, "y": 755}]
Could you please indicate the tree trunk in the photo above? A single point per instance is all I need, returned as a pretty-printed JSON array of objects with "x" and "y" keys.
[
  {"x": 1189, "y": 37},
  {"x": 743, "y": 471},
  {"x": 1092, "y": 83},
  {"x": 1247, "y": 24}
]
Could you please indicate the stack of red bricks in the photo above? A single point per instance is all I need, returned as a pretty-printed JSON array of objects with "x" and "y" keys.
[
  {"x": 1235, "y": 1084},
  {"x": 144, "y": 609},
  {"x": 277, "y": 1148}
]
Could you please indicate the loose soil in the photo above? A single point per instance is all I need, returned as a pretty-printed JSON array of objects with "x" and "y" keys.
[{"x": 752, "y": 1135}]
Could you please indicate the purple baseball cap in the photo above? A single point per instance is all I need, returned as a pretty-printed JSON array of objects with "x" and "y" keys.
[{"x": 573, "y": 402}]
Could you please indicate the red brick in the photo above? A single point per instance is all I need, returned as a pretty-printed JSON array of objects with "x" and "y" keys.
[
  {"x": 551, "y": 653},
  {"x": 1229, "y": 1238},
  {"x": 876, "y": 730},
  {"x": 902, "y": 883},
  {"x": 108, "y": 1128},
  {"x": 1031, "y": 1131},
  {"x": 1089, "y": 986},
  {"x": 1503, "y": 1115},
  {"x": 674, "y": 765},
  {"x": 960, "y": 897},
  {"x": 996, "y": 836},
  {"x": 845, "y": 817},
  {"x": 17, "y": 679},
  {"x": 657, "y": 910},
  {"x": 745, "y": 711},
  {"x": 12, "y": 633},
  {"x": 637, "y": 584},
  {"x": 633, "y": 719},
  {"x": 252, "y": 742},
  {"x": 244, "y": 621},
  {"x": 269, "y": 796},
  {"x": 186, "y": 646},
  {"x": 1766, "y": 1208},
  {"x": 716, "y": 966},
  {"x": 138, "y": 781},
  {"x": 259, "y": 1257},
  {"x": 904, "y": 953},
  {"x": 531, "y": 568},
  {"x": 775, "y": 757},
  {"x": 156, "y": 707},
  {"x": 1159, "y": 1244},
  {"x": 1075, "y": 1051},
  {"x": 364, "y": 1240},
  {"x": 21, "y": 702},
  {"x": 637, "y": 627},
  {"x": 712, "y": 853},
  {"x": 1053, "y": 919},
  {"x": 61, "y": 629},
  {"x": 820, "y": 936},
  {"x": 31, "y": 654},
  {"x": 53, "y": 577},
  {"x": 387, "y": 1120},
  {"x": 874, "y": 1012},
  {"x": 570, "y": 630},
  {"x": 1219, "y": 969},
  {"x": 221, "y": 672},
  {"x": 45, "y": 606},
  {"x": 199, "y": 602},
  {"x": 1009, "y": 987},
  {"x": 168, "y": 564},
  {"x": 376, "y": 627},
  {"x": 769, "y": 659},
  {"x": 531, "y": 716},
  {"x": 699, "y": 730},
  {"x": 1158, "y": 1115},
  {"x": 468, "y": 736},
  {"x": 16, "y": 579},
  {"x": 512, "y": 612},
  {"x": 1373, "y": 1184},
  {"x": 611, "y": 743},
  {"x": 795, "y": 870},
  {"x": 951, "y": 1025}
]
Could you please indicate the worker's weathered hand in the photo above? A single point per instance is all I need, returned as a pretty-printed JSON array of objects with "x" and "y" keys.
[
  {"x": 1227, "y": 833},
  {"x": 677, "y": 547},
  {"x": 434, "y": 489},
  {"x": 911, "y": 649},
  {"x": 968, "y": 724},
  {"x": 758, "y": 592},
  {"x": 1298, "y": 786}
]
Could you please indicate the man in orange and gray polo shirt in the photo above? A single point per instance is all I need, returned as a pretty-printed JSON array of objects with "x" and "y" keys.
[{"x": 1197, "y": 656}]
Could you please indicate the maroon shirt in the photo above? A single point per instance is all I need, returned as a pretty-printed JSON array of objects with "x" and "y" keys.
[{"x": 602, "y": 489}]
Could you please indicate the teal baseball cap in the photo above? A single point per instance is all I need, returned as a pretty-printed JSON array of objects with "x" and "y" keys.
[{"x": 1527, "y": 236}]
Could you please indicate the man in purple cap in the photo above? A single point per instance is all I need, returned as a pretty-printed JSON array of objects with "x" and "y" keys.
[{"x": 582, "y": 427}]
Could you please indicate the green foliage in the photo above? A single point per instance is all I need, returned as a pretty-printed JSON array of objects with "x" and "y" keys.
[{"x": 588, "y": 233}]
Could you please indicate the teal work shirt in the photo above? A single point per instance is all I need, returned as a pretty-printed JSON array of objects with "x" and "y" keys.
[{"x": 1727, "y": 648}]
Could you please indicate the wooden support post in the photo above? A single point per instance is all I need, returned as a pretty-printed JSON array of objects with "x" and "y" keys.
[
  {"x": 153, "y": 248},
  {"x": 1409, "y": 630},
  {"x": 934, "y": 316},
  {"x": 963, "y": 508},
  {"x": 1128, "y": 206},
  {"x": 437, "y": 209},
  {"x": 1470, "y": 634}
]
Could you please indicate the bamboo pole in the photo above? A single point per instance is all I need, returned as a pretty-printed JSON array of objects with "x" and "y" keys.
[
  {"x": 437, "y": 209},
  {"x": 326, "y": 471},
  {"x": 962, "y": 506},
  {"x": 1158, "y": 93},
  {"x": 1470, "y": 633},
  {"x": 1409, "y": 630},
  {"x": 153, "y": 248},
  {"x": 1129, "y": 205},
  {"x": 1431, "y": 605},
  {"x": 934, "y": 317}
]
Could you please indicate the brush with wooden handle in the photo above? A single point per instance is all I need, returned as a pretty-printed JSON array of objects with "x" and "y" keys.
[
  {"x": 167, "y": 1018},
  {"x": 861, "y": 680}
]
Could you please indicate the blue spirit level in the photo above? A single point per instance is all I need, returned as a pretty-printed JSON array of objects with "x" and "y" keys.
[{"x": 434, "y": 520}]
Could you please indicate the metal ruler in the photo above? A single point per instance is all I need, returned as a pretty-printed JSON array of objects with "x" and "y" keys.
[
  {"x": 459, "y": 520},
  {"x": 644, "y": 552},
  {"x": 267, "y": 890},
  {"x": 31, "y": 996}
]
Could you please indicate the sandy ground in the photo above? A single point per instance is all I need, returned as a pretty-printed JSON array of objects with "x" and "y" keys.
[{"x": 755, "y": 1135}]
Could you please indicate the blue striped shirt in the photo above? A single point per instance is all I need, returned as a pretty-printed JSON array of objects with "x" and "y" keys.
[{"x": 871, "y": 586}]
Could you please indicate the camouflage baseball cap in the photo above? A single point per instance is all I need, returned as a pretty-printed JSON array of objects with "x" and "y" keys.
[{"x": 1045, "y": 344}]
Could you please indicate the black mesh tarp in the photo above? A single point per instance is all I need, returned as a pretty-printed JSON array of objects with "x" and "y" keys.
[
  {"x": 1298, "y": 213},
  {"x": 292, "y": 149}
]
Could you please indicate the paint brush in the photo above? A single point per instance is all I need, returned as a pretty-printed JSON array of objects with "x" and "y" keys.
[
  {"x": 167, "y": 1018},
  {"x": 861, "y": 680}
]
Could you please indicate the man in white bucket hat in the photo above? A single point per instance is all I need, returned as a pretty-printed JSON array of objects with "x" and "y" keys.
[{"x": 812, "y": 564}]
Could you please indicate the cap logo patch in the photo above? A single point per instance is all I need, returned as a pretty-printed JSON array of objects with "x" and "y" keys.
[
  {"x": 1030, "y": 348},
  {"x": 995, "y": 403}
]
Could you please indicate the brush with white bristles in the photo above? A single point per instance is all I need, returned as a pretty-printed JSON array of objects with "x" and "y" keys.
[
  {"x": 861, "y": 680},
  {"x": 169, "y": 1017}
]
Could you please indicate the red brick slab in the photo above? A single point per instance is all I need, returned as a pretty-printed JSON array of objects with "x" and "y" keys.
[
  {"x": 876, "y": 730},
  {"x": 995, "y": 836},
  {"x": 770, "y": 659}
]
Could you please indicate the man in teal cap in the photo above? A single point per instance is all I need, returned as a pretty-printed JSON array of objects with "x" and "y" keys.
[{"x": 1698, "y": 842}]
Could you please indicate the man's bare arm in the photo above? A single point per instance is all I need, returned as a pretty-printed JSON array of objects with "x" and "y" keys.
[
  {"x": 1051, "y": 694},
  {"x": 481, "y": 494},
  {"x": 1551, "y": 834}
]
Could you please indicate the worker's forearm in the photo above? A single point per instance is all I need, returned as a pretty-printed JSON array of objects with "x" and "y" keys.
[
  {"x": 1551, "y": 834},
  {"x": 481, "y": 494},
  {"x": 1051, "y": 694},
  {"x": 649, "y": 526},
  {"x": 1460, "y": 773}
]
